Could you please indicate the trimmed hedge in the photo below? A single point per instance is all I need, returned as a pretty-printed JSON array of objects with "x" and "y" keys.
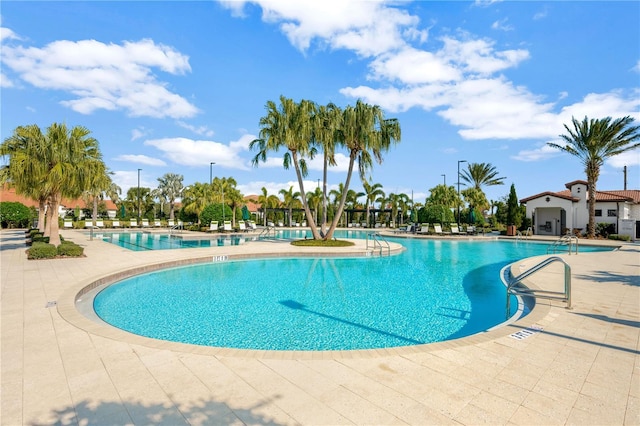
[
  {"x": 68, "y": 248},
  {"x": 619, "y": 237},
  {"x": 42, "y": 250}
]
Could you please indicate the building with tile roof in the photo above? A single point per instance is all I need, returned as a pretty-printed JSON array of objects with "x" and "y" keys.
[{"x": 555, "y": 213}]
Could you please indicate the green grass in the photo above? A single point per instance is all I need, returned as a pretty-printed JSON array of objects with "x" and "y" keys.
[{"x": 321, "y": 243}]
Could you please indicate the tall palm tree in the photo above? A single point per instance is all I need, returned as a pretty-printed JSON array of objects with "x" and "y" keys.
[
  {"x": 64, "y": 161},
  {"x": 478, "y": 175},
  {"x": 289, "y": 198},
  {"x": 22, "y": 172},
  {"x": 366, "y": 134},
  {"x": 372, "y": 193},
  {"x": 326, "y": 122},
  {"x": 594, "y": 141},
  {"x": 315, "y": 198},
  {"x": 289, "y": 126},
  {"x": 194, "y": 198},
  {"x": 170, "y": 187}
]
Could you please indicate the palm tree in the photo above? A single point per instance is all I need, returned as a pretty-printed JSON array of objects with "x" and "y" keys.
[
  {"x": 194, "y": 198},
  {"x": 169, "y": 188},
  {"x": 478, "y": 175},
  {"x": 326, "y": 123},
  {"x": 372, "y": 193},
  {"x": 290, "y": 126},
  {"x": 22, "y": 172},
  {"x": 289, "y": 200},
  {"x": 594, "y": 141},
  {"x": 315, "y": 198},
  {"x": 366, "y": 134},
  {"x": 64, "y": 161}
]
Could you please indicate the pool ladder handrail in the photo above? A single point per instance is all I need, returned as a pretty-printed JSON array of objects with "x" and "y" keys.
[
  {"x": 179, "y": 226},
  {"x": 513, "y": 287},
  {"x": 377, "y": 241},
  {"x": 566, "y": 240},
  {"x": 266, "y": 231}
]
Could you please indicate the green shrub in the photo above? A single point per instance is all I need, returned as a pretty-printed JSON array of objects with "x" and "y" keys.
[
  {"x": 71, "y": 249},
  {"x": 619, "y": 237},
  {"x": 14, "y": 215},
  {"x": 41, "y": 250}
]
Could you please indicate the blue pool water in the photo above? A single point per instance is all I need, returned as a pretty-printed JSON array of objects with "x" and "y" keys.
[{"x": 435, "y": 290}]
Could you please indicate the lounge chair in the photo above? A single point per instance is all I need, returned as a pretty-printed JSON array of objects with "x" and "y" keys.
[
  {"x": 304, "y": 223},
  {"x": 242, "y": 226},
  {"x": 424, "y": 228},
  {"x": 88, "y": 223},
  {"x": 99, "y": 223},
  {"x": 280, "y": 223},
  {"x": 227, "y": 226},
  {"x": 214, "y": 227},
  {"x": 115, "y": 224},
  {"x": 157, "y": 223},
  {"x": 437, "y": 229},
  {"x": 68, "y": 223},
  {"x": 133, "y": 223},
  {"x": 145, "y": 223},
  {"x": 471, "y": 230},
  {"x": 171, "y": 223},
  {"x": 252, "y": 225},
  {"x": 454, "y": 229}
]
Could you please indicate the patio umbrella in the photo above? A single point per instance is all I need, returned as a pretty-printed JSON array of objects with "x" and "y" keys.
[{"x": 245, "y": 213}]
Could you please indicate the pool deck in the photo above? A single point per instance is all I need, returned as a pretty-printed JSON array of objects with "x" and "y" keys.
[{"x": 578, "y": 366}]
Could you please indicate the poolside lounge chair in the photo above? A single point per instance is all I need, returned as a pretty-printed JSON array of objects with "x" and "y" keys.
[
  {"x": 437, "y": 229},
  {"x": 213, "y": 226},
  {"x": 157, "y": 223},
  {"x": 133, "y": 223},
  {"x": 68, "y": 223},
  {"x": 88, "y": 223},
  {"x": 270, "y": 224},
  {"x": 242, "y": 226},
  {"x": 454, "y": 229},
  {"x": 227, "y": 226},
  {"x": 145, "y": 223},
  {"x": 424, "y": 228},
  {"x": 304, "y": 223},
  {"x": 171, "y": 223},
  {"x": 280, "y": 223},
  {"x": 252, "y": 225},
  {"x": 99, "y": 223},
  {"x": 471, "y": 230},
  {"x": 115, "y": 224}
]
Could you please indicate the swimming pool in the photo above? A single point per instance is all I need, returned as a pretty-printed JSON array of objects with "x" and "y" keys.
[
  {"x": 144, "y": 241},
  {"x": 435, "y": 290}
]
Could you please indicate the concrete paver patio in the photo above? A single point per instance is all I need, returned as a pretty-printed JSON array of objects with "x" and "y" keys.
[{"x": 583, "y": 367}]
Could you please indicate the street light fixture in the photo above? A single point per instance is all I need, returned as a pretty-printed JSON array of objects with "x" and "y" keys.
[
  {"x": 459, "y": 161},
  {"x": 139, "y": 194},
  {"x": 445, "y": 179},
  {"x": 211, "y": 173}
]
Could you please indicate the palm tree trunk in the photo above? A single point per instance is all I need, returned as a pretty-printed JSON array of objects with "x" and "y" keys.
[
  {"x": 343, "y": 198},
  {"x": 52, "y": 224},
  {"x": 591, "y": 226},
  {"x": 303, "y": 196}
]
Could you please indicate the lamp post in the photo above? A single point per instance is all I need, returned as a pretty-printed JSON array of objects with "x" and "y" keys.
[
  {"x": 459, "y": 161},
  {"x": 211, "y": 173},
  {"x": 445, "y": 179},
  {"x": 139, "y": 194}
]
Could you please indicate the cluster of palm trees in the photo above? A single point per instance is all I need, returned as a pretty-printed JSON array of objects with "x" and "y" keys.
[
  {"x": 304, "y": 129},
  {"x": 47, "y": 166}
]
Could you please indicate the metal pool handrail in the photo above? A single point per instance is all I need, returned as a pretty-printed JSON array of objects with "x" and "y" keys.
[
  {"x": 514, "y": 289},
  {"x": 377, "y": 240}
]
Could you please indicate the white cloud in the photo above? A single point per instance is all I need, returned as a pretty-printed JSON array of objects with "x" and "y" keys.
[
  {"x": 105, "y": 76},
  {"x": 141, "y": 159},
  {"x": 629, "y": 159},
  {"x": 5, "y": 81},
  {"x": 413, "y": 66},
  {"x": 200, "y": 130},
  {"x": 189, "y": 152},
  {"x": 542, "y": 153},
  {"x": 636, "y": 68},
  {"x": 502, "y": 25},
  {"x": 138, "y": 133},
  {"x": 366, "y": 27}
]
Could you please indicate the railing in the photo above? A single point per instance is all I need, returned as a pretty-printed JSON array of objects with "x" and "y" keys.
[
  {"x": 570, "y": 241},
  {"x": 179, "y": 226},
  {"x": 514, "y": 287},
  {"x": 266, "y": 231},
  {"x": 527, "y": 234},
  {"x": 377, "y": 242}
]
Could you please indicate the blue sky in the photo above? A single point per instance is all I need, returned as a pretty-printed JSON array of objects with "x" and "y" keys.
[{"x": 173, "y": 86}]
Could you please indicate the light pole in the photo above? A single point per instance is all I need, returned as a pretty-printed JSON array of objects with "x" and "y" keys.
[
  {"x": 459, "y": 161},
  {"x": 211, "y": 173},
  {"x": 139, "y": 194},
  {"x": 445, "y": 179}
]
